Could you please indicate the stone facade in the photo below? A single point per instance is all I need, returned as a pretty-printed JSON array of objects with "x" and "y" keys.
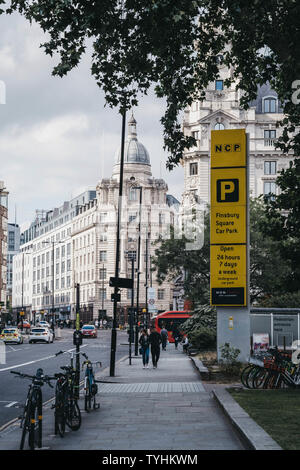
[{"x": 221, "y": 110}]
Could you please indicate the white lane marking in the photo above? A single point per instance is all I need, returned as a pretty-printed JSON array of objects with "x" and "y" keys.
[
  {"x": 36, "y": 360},
  {"x": 11, "y": 404}
]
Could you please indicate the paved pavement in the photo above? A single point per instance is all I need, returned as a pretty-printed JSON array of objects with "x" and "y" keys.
[
  {"x": 167, "y": 408},
  {"x": 144, "y": 409}
]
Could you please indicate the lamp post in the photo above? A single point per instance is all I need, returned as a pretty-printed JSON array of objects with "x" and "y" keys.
[
  {"x": 116, "y": 290},
  {"x": 130, "y": 257},
  {"x": 132, "y": 179}
]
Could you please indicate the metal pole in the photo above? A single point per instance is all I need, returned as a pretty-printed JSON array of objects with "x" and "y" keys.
[
  {"x": 132, "y": 307},
  {"x": 116, "y": 290},
  {"x": 146, "y": 282},
  {"x": 22, "y": 292},
  {"x": 53, "y": 285},
  {"x": 138, "y": 277},
  {"x": 77, "y": 380}
]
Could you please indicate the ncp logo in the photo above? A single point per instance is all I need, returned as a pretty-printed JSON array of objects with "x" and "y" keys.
[
  {"x": 220, "y": 148},
  {"x": 228, "y": 190}
]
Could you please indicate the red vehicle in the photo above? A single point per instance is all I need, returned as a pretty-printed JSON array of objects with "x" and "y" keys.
[
  {"x": 89, "y": 331},
  {"x": 170, "y": 320}
]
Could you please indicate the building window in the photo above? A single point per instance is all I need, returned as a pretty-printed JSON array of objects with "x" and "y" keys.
[
  {"x": 270, "y": 190},
  {"x": 195, "y": 134},
  {"x": 131, "y": 255},
  {"x": 103, "y": 237},
  {"x": 103, "y": 256},
  {"x": 132, "y": 194},
  {"x": 219, "y": 126},
  {"x": 219, "y": 84},
  {"x": 102, "y": 273},
  {"x": 270, "y": 136},
  {"x": 193, "y": 168},
  {"x": 103, "y": 217},
  {"x": 269, "y": 105},
  {"x": 270, "y": 168},
  {"x": 160, "y": 294},
  {"x": 102, "y": 294},
  {"x": 132, "y": 217}
]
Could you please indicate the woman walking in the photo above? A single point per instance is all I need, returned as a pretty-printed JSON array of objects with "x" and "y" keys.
[{"x": 144, "y": 343}]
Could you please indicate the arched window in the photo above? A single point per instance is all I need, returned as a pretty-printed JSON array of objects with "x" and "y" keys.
[
  {"x": 219, "y": 126},
  {"x": 269, "y": 105}
]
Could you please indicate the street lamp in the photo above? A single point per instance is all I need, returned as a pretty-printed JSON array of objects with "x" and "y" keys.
[
  {"x": 116, "y": 289},
  {"x": 132, "y": 179},
  {"x": 130, "y": 257}
]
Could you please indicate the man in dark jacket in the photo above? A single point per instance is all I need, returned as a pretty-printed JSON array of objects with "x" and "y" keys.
[
  {"x": 164, "y": 338},
  {"x": 155, "y": 341}
]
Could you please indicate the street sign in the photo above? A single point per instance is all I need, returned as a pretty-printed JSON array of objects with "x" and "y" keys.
[
  {"x": 118, "y": 297},
  {"x": 122, "y": 282},
  {"x": 228, "y": 227},
  {"x": 151, "y": 300}
]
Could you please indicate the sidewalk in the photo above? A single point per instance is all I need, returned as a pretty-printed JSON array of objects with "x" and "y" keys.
[{"x": 144, "y": 409}]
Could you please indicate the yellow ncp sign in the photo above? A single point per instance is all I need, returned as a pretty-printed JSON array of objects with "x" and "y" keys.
[{"x": 228, "y": 254}]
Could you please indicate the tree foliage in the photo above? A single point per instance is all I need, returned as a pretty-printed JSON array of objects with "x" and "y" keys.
[
  {"x": 172, "y": 45},
  {"x": 201, "y": 327}
]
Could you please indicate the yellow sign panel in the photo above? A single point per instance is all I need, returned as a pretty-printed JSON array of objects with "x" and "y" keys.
[
  {"x": 228, "y": 224},
  {"x": 228, "y": 148},
  {"x": 229, "y": 197},
  {"x": 228, "y": 274},
  {"x": 228, "y": 186}
]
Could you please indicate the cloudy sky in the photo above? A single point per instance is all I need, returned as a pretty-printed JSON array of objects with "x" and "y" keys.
[{"x": 56, "y": 137}]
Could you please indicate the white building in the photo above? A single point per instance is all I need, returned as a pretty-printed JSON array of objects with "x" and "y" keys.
[
  {"x": 76, "y": 244},
  {"x": 221, "y": 110}
]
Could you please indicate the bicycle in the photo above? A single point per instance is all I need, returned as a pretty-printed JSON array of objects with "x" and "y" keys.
[
  {"x": 66, "y": 406},
  {"x": 31, "y": 420},
  {"x": 90, "y": 384}
]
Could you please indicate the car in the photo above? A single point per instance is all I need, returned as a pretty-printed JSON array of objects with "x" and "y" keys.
[
  {"x": 11, "y": 335},
  {"x": 40, "y": 333},
  {"x": 44, "y": 323},
  {"x": 89, "y": 331},
  {"x": 26, "y": 324}
]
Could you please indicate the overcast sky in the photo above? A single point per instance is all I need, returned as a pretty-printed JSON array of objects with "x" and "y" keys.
[{"x": 56, "y": 137}]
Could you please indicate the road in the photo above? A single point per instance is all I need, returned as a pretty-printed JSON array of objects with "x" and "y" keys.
[{"x": 27, "y": 358}]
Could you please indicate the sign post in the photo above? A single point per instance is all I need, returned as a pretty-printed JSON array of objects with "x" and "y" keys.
[{"x": 229, "y": 238}]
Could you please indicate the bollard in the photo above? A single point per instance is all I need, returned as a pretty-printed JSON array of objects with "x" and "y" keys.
[
  {"x": 2, "y": 352},
  {"x": 58, "y": 333}
]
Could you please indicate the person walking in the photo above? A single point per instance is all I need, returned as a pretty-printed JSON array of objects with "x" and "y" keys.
[
  {"x": 155, "y": 341},
  {"x": 176, "y": 335},
  {"x": 144, "y": 343},
  {"x": 164, "y": 338}
]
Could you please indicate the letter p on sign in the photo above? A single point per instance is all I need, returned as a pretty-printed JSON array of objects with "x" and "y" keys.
[{"x": 228, "y": 190}]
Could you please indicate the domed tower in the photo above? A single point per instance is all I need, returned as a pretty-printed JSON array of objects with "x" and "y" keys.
[{"x": 136, "y": 156}]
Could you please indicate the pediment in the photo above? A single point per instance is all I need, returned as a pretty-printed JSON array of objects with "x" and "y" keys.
[{"x": 218, "y": 113}]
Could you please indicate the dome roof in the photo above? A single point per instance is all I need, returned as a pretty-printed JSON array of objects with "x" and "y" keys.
[{"x": 134, "y": 151}]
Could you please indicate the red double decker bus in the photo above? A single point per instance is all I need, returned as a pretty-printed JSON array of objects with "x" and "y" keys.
[{"x": 170, "y": 320}]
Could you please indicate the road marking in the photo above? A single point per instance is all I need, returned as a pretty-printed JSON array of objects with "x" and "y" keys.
[
  {"x": 36, "y": 360},
  {"x": 11, "y": 404}
]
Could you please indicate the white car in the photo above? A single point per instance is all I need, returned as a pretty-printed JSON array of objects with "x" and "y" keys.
[
  {"x": 40, "y": 333},
  {"x": 44, "y": 323}
]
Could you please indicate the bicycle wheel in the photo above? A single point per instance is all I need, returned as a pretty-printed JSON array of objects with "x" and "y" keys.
[
  {"x": 244, "y": 373},
  {"x": 35, "y": 429},
  {"x": 87, "y": 396},
  {"x": 25, "y": 424},
  {"x": 73, "y": 418},
  {"x": 59, "y": 413},
  {"x": 248, "y": 377},
  {"x": 259, "y": 378}
]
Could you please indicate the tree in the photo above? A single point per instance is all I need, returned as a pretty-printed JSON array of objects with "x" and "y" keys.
[
  {"x": 173, "y": 45},
  {"x": 282, "y": 222},
  {"x": 173, "y": 259},
  {"x": 270, "y": 270}
]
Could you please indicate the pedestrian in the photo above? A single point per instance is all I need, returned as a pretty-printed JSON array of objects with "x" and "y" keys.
[
  {"x": 164, "y": 338},
  {"x": 96, "y": 324},
  {"x": 176, "y": 335},
  {"x": 144, "y": 343},
  {"x": 155, "y": 341}
]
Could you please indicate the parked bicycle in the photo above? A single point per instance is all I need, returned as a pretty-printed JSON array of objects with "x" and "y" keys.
[
  {"x": 274, "y": 369},
  {"x": 31, "y": 420},
  {"x": 90, "y": 384},
  {"x": 66, "y": 406}
]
